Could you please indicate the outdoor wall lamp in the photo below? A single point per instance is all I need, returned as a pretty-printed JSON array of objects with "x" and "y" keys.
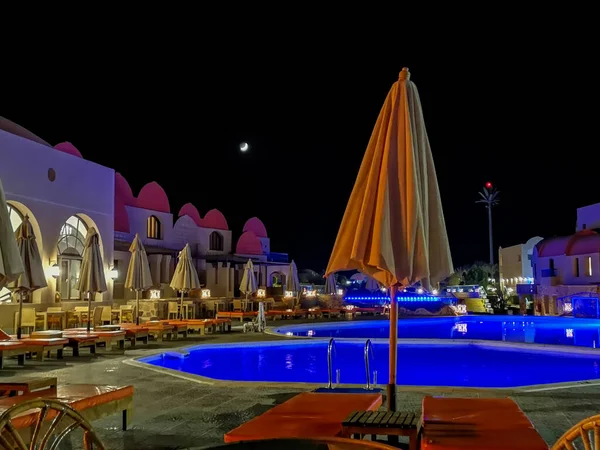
[
  {"x": 113, "y": 273},
  {"x": 261, "y": 293},
  {"x": 55, "y": 270},
  {"x": 205, "y": 293}
]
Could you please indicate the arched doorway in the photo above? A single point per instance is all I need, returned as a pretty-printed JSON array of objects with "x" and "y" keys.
[{"x": 71, "y": 243}]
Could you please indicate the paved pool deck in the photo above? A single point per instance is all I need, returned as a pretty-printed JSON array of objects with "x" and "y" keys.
[{"x": 175, "y": 413}]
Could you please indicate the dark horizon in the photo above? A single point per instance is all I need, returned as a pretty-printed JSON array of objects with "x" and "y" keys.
[{"x": 308, "y": 130}]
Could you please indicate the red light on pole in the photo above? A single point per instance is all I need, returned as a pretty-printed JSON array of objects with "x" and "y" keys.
[{"x": 488, "y": 185}]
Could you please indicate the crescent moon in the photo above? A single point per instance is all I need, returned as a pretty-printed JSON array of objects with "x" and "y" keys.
[{"x": 244, "y": 147}]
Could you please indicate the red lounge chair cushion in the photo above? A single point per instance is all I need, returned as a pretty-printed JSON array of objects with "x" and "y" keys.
[
  {"x": 9, "y": 345},
  {"x": 45, "y": 342}
]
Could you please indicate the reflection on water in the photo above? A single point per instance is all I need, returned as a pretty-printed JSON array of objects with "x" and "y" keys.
[{"x": 289, "y": 361}]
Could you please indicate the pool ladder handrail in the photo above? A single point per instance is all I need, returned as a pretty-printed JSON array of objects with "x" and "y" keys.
[
  {"x": 330, "y": 346},
  {"x": 368, "y": 345}
]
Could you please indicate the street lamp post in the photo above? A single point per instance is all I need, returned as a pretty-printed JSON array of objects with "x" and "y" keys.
[{"x": 489, "y": 196}]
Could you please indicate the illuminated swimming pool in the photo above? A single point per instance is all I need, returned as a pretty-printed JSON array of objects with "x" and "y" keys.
[
  {"x": 528, "y": 329},
  {"x": 459, "y": 364}
]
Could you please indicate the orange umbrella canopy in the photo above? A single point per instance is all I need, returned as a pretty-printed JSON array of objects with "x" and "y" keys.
[{"x": 393, "y": 229}]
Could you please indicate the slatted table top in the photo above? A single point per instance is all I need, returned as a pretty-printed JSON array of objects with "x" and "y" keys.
[{"x": 382, "y": 419}]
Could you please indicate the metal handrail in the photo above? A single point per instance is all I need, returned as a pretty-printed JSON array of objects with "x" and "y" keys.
[
  {"x": 330, "y": 363},
  {"x": 368, "y": 345}
]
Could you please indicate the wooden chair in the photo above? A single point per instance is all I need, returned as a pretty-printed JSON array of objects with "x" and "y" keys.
[
  {"x": 28, "y": 321},
  {"x": 53, "y": 422},
  {"x": 127, "y": 314},
  {"x": 172, "y": 310},
  {"x": 586, "y": 432}
]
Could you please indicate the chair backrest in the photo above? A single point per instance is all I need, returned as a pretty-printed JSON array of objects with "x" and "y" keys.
[
  {"x": 81, "y": 309},
  {"x": 172, "y": 307},
  {"x": 237, "y": 304},
  {"x": 106, "y": 314},
  {"x": 28, "y": 317},
  {"x": 54, "y": 309},
  {"x": 98, "y": 315}
]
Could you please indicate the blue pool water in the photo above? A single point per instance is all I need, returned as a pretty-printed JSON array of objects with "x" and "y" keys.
[
  {"x": 421, "y": 364},
  {"x": 528, "y": 329}
]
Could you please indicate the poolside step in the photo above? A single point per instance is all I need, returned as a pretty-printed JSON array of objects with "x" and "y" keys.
[{"x": 175, "y": 355}]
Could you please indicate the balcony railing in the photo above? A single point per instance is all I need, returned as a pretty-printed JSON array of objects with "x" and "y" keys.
[
  {"x": 277, "y": 257},
  {"x": 548, "y": 273}
]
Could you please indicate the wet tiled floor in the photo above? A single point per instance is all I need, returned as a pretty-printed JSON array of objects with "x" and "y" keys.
[{"x": 175, "y": 413}]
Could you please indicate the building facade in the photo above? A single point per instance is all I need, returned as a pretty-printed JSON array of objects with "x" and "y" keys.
[
  {"x": 515, "y": 265},
  {"x": 564, "y": 268},
  {"x": 64, "y": 195}
]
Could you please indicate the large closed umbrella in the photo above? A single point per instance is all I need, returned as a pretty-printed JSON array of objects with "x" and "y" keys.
[
  {"x": 11, "y": 265},
  {"x": 185, "y": 278},
  {"x": 393, "y": 229},
  {"x": 138, "y": 273},
  {"x": 330, "y": 285},
  {"x": 292, "y": 283},
  {"x": 248, "y": 284},
  {"x": 33, "y": 276},
  {"x": 91, "y": 275}
]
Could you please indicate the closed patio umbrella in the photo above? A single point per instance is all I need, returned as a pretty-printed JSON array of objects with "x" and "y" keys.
[
  {"x": 33, "y": 276},
  {"x": 185, "y": 278},
  {"x": 393, "y": 229},
  {"x": 138, "y": 272},
  {"x": 292, "y": 283},
  {"x": 330, "y": 285},
  {"x": 248, "y": 284},
  {"x": 11, "y": 265},
  {"x": 91, "y": 275}
]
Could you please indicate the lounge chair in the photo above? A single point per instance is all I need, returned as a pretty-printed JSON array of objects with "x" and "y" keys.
[
  {"x": 13, "y": 348},
  {"x": 104, "y": 337},
  {"x": 92, "y": 401},
  {"x": 134, "y": 333},
  {"x": 158, "y": 330},
  {"x": 38, "y": 346},
  {"x": 491, "y": 423},
  {"x": 307, "y": 415}
]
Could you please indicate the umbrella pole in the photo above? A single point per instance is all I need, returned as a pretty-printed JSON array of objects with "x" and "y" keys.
[
  {"x": 181, "y": 307},
  {"x": 20, "y": 314},
  {"x": 137, "y": 306},
  {"x": 391, "y": 387},
  {"x": 89, "y": 321}
]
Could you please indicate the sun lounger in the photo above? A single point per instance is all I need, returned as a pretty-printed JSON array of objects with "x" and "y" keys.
[
  {"x": 38, "y": 345},
  {"x": 158, "y": 330},
  {"x": 239, "y": 315},
  {"x": 307, "y": 415},
  {"x": 13, "y": 348},
  {"x": 77, "y": 341},
  {"x": 490, "y": 423},
  {"x": 9, "y": 387},
  {"x": 134, "y": 333},
  {"x": 106, "y": 338},
  {"x": 222, "y": 325},
  {"x": 92, "y": 401},
  {"x": 179, "y": 327}
]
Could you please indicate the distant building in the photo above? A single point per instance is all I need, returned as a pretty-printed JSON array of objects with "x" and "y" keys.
[
  {"x": 588, "y": 217},
  {"x": 564, "y": 268},
  {"x": 515, "y": 264}
]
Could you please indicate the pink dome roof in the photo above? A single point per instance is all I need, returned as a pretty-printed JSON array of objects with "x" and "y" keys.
[
  {"x": 256, "y": 226},
  {"x": 215, "y": 219},
  {"x": 123, "y": 190},
  {"x": 121, "y": 216},
  {"x": 581, "y": 243},
  {"x": 153, "y": 197},
  {"x": 69, "y": 148},
  {"x": 10, "y": 127},
  {"x": 190, "y": 210},
  {"x": 248, "y": 244}
]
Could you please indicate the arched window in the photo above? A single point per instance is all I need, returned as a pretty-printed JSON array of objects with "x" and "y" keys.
[
  {"x": 216, "y": 241},
  {"x": 71, "y": 244},
  {"x": 15, "y": 217},
  {"x": 153, "y": 225}
]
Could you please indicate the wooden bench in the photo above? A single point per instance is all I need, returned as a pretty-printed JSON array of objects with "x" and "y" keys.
[
  {"x": 13, "y": 348},
  {"x": 386, "y": 423},
  {"x": 20, "y": 386}
]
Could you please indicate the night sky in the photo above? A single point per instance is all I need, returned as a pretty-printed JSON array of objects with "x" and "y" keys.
[{"x": 526, "y": 121}]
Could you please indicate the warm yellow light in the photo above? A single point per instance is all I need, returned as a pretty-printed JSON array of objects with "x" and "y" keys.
[
  {"x": 340, "y": 292},
  {"x": 205, "y": 293},
  {"x": 55, "y": 270},
  {"x": 154, "y": 294},
  {"x": 311, "y": 293},
  {"x": 113, "y": 273},
  {"x": 289, "y": 294},
  {"x": 262, "y": 293}
]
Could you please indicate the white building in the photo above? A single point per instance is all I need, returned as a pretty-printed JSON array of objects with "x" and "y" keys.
[
  {"x": 514, "y": 263},
  {"x": 64, "y": 195},
  {"x": 588, "y": 217}
]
